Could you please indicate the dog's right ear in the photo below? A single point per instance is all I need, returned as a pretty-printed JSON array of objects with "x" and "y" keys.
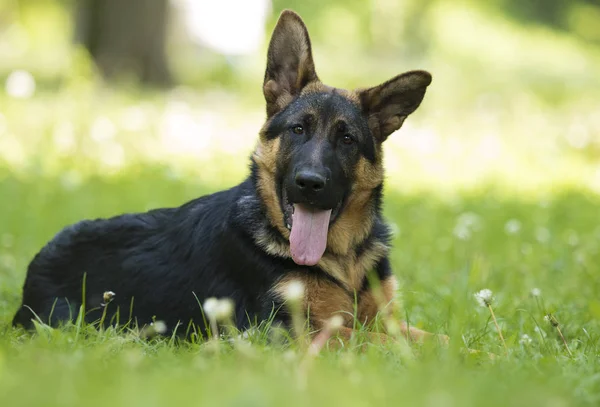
[{"x": 290, "y": 65}]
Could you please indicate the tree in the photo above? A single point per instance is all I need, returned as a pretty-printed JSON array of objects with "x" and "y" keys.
[{"x": 126, "y": 37}]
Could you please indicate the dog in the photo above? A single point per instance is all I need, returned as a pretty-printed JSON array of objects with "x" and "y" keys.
[{"x": 309, "y": 211}]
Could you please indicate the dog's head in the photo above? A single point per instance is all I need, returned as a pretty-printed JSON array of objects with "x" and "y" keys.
[{"x": 319, "y": 152}]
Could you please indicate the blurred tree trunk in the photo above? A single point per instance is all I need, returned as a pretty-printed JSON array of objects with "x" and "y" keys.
[{"x": 126, "y": 37}]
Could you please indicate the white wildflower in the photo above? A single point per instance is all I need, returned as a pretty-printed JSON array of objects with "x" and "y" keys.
[
  {"x": 335, "y": 322},
  {"x": 20, "y": 84},
  {"x": 461, "y": 232},
  {"x": 159, "y": 327},
  {"x": 542, "y": 235},
  {"x": 512, "y": 227},
  {"x": 294, "y": 291},
  {"x": 484, "y": 297},
  {"x": 466, "y": 224},
  {"x": 525, "y": 339},
  {"x": 540, "y": 331},
  {"x": 536, "y": 292},
  {"x": 572, "y": 238},
  {"x": 289, "y": 356},
  {"x": 210, "y": 308},
  {"x": 64, "y": 138},
  {"x": 107, "y": 297},
  {"x": 134, "y": 119},
  {"x": 218, "y": 310},
  {"x": 102, "y": 130},
  {"x": 248, "y": 334},
  {"x": 224, "y": 309}
]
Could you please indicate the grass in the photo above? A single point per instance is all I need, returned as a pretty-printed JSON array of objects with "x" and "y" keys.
[
  {"x": 493, "y": 183},
  {"x": 445, "y": 251}
]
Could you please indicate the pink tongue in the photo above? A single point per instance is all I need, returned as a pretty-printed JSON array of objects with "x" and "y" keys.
[{"x": 309, "y": 234}]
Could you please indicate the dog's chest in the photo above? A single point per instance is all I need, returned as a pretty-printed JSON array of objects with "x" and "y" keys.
[{"x": 323, "y": 298}]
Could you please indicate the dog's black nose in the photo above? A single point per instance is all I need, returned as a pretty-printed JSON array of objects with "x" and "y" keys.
[{"x": 310, "y": 181}]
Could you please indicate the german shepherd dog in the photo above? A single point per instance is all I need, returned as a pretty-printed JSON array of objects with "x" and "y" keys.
[{"x": 310, "y": 210}]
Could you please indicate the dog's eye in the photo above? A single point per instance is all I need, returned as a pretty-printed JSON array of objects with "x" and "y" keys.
[
  {"x": 298, "y": 129},
  {"x": 347, "y": 139}
]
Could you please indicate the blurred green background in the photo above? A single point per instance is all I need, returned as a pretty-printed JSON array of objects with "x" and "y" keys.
[
  {"x": 108, "y": 106},
  {"x": 99, "y": 85}
]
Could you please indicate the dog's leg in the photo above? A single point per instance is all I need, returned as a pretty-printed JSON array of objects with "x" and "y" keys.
[
  {"x": 413, "y": 334},
  {"x": 343, "y": 337},
  {"x": 53, "y": 313}
]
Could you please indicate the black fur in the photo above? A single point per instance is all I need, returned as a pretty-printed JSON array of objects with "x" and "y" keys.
[{"x": 162, "y": 264}]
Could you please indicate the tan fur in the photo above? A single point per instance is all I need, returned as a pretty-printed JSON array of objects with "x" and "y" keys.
[
  {"x": 265, "y": 156},
  {"x": 276, "y": 97},
  {"x": 349, "y": 270},
  {"x": 324, "y": 299},
  {"x": 316, "y": 87},
  {"x": 376, "y": 299},
  {"x": 350, "y": 229},
  {"x": 354, "y": 223},
  {"x": 345, "y": 334}
]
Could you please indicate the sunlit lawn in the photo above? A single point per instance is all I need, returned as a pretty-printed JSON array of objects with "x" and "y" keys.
[
  {"x": 509, "y": 221},
  {"x": 493, "y": 183}
]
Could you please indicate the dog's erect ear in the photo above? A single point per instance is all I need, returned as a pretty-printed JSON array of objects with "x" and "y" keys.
[
  {"x": 290, "y": 65},
  {"x": 388, "y": 104}
]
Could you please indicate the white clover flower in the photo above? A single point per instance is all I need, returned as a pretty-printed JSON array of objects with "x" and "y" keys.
[
  {"x": 218, "y": 310},
  {"x": 294, "y": 291},
  {"x": 102, "y": 130},
  {"x": 461, "y": 232},
  {"x": 335, "y": 322},
  {"x": 20, "y": 84},
  {"x": 466, "y": 224},
  {"x": 536, "y": 292},
  {"x": 290, "y": 356},
  {"x": 210, "y": 308},
  {"x": 484, "y": 297},
  {"x": 540, "y": 331},
  {"x": 542, "y": 235},
  {"x": 64, "y": 137},
  {"x": 159, "y": 327},
  {"x": 512, "y": 227},
  {"x": 224, "y": 309},
  {"x": 525, "y": 339},
  {"x": 248, "y": 333},
  {"x": 107, "y": 297}
]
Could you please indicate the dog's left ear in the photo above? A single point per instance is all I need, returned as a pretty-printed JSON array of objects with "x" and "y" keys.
[
  {"x": 290, "y": 65},
  {"x": 388, "y": 104}
]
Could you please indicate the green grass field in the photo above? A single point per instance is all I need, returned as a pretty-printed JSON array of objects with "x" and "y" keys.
[
  {"x": 493, "y": 183},
  {"x": 508, "y": 236}
]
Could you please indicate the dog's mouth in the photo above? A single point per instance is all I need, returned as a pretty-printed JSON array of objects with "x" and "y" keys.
[{"x": 309, "y": 226}]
